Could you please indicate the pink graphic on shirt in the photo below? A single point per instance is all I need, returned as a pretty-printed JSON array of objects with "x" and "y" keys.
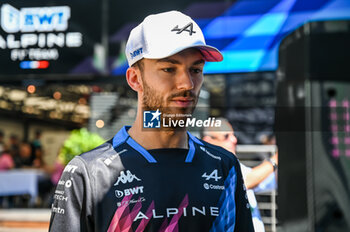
[
  {"x": 164, "y": 225},
  {"x": 118, "y": 214},
  {"x": 124, "y": 217},
  {"x": 174, "y": 223},
  {"x": 128, "y": 217},
  {"x": 145, "y": 221}
]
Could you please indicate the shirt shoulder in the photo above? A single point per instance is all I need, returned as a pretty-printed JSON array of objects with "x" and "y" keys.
[
  {"x": 218, "y": 152},
  {"x": 102, "y": 161},
  {"x": 102, "y": 152}
]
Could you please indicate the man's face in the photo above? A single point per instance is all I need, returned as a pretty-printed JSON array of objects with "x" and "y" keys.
[
  {"x": 172, "y": 84},
  {"x": 25, "y": 150},
  {"x": 225, "y": 139}
]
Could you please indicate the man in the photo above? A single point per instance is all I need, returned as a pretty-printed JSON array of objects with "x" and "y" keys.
[
  {"x": 2, "y": 143},
  {"x": 226, "y": 138},
  {"x": 161, "y": 179},
  {"x": 24, "y": 158}
]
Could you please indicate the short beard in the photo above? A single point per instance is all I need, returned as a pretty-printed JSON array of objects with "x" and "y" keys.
[{"x": 152, "y": 101}]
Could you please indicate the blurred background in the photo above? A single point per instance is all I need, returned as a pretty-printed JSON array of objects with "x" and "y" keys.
[{"x": 285, "y": 76}]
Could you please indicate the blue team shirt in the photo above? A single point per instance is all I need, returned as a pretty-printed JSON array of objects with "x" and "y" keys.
[{"x": 120, "y": 186}]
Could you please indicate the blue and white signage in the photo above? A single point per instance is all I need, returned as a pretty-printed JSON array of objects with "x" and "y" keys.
[
  {"x": 47, "y": 37},
  {"x": 32, "y": 19}
]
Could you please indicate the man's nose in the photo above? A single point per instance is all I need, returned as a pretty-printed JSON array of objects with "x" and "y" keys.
[
  {"x": 233, "y": 139},
  {"x": 184, "y": 81}
]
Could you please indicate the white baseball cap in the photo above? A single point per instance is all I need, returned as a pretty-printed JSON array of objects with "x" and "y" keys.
[{"x": 165, "y": 34}]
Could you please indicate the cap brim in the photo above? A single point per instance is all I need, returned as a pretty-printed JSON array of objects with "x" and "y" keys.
[{"x": 210, "y": 54}]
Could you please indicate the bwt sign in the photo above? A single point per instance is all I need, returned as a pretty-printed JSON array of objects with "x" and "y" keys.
[
  {"x": 34, "y": 19},
  {"x": 48, "y": 36},
  {"x": 37, "y": 19}
]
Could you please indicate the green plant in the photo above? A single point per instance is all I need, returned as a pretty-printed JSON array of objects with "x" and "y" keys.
[{"x": 79, "y": 141}]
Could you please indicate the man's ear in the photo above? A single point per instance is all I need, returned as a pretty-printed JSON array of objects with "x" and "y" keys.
[{"x": 133, "y": 77}]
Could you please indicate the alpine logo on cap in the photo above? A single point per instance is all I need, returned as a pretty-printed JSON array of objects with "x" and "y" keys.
[{"x": 188, "y": 28}]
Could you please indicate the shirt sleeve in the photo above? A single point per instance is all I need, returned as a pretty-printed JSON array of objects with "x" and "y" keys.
[
  {"x": 245, "y": 170},
  {"x": 243, "y": 214},
  {"x": 72, "y": 206},
  {"x": 234, "y": 214},
  {"x": 267, "y": 185}
]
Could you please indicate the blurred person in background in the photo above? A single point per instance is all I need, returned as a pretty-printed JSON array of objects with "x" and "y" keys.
[
  {"x": 23, "y": 157},
  {"x": 13, "y": 145},
  {"x": 36, "y": 143},
  {"x": 252, "y": 176},
  {"x": 26, "y": 159},
  {"x": 54, "y": 171},
  {"x": 6, "y": 160},
  {"x": 37, "y": 149},
  {"x": 2, "y": 142},
  {"x": 6, "y": 163},
  {"x": 268, "y": 139}
]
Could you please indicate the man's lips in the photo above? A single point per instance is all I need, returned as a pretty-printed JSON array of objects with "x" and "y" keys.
[{"x": 183, "y": 101}]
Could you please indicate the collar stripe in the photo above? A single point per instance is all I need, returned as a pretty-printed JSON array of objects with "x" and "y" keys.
[{"x": 123, "y": 136}]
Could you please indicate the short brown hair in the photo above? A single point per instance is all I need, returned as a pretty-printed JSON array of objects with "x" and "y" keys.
[{"x": 139, "y": 64}]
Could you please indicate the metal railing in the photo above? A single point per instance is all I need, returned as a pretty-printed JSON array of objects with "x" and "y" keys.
[{"x": 251, "y": 156}]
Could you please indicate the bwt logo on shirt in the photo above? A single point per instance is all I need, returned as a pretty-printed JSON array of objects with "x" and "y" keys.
[
  {"x": 129, "y": 191},
  {"x": 151, "y": 119},
  {"x": 34, "y": 18}
]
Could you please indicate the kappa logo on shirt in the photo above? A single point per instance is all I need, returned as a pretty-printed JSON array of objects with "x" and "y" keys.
[{"x": 129, "y": 177}]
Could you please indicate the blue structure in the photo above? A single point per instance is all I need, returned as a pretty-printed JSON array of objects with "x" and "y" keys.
[{"x": 249, "y": 32}]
